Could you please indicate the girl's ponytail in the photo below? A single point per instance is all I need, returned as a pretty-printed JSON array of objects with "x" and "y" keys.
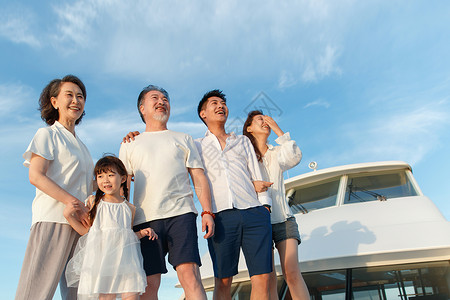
[
  {"x": 98, "y": 195},
  {"x": 125, "y": 189}
]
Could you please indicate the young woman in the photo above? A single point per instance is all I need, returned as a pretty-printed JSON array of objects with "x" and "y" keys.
[{"x": 273, "y": 161}]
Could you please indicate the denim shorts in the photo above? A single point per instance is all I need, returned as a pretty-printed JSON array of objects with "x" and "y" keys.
[
  {"x": 286, "y": 230},
  {"x": 248, "y": 229},
  {"x": 176, "y": 236}
]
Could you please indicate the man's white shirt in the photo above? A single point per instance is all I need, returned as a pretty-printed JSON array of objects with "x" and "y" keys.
[{"x": 230, "y": 172}]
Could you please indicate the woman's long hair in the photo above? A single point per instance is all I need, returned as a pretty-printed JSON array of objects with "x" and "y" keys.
[
  {"x": 247, "y": 123},
  {"x": 106, "y": 164}
]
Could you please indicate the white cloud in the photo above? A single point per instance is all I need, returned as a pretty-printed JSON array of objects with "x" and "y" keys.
[
  {"x": 195, "y": 129},
  {"x": 318, "y": 102},
  {"x": 17, "y": 135},
  {"x": 178, "y": 108},
  {"x": 322, "y": 65},
  {"x": 15, "y": 217},
  {"x": 287, "y": 79},
  {"x": 104, "y": 133},
  {"x": 13, "y": 96},
  {"x": 17, "y": 27},
  {"x": 148, "y": 40},
  {"x": 407, "y": 135},
  {"x": 75, "y": 25}
]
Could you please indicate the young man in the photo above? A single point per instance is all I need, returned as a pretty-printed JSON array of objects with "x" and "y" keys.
[
  {"x": 242, "y": 216},
  {"x": 161, "y": 161}
]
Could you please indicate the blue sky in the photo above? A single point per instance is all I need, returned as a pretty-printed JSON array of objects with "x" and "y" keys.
[{"x": 352, "y": 81}]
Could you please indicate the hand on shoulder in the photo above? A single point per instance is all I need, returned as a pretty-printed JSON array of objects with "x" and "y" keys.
[{"x": 130, "y": 136}]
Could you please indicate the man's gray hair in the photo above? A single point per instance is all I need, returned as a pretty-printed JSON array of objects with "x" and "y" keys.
[{"x": 145, "y": 91}]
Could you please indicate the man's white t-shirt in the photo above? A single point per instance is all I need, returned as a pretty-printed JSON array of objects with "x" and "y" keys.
[{"x": 159, "y": 162}]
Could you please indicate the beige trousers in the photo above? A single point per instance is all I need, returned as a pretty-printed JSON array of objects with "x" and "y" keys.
[{"x": 49, "y": 248}]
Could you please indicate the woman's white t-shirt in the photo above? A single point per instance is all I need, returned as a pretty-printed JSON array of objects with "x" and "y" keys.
[{"x": 71, "y": 167}]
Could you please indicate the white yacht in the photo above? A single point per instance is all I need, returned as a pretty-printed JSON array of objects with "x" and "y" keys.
[{"x": 368, "y": 232}]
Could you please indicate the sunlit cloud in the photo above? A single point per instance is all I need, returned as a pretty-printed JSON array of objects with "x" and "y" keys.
[
  {"x": 74, "y": 25},
  {"x": 322, "y": 65},
  {"x": 18, "y": 217},
  {"x": 356, "y": 81},
  {"x": 17, "y": 27},
  {"x": 104, "y": 133},
  {"x": 286, "y": 80},
  {"x": 318, "y": 102},
  {"x": 13, "y": 96},
  {"x": 142, "y": 40},
  {"x": 178, "y": 109},
  {"x": 400, "y": 135}
]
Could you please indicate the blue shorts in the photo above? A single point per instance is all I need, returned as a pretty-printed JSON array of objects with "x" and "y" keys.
[
  {"x": 246, "y": 228},
  {"x": 176, "y": 236}
]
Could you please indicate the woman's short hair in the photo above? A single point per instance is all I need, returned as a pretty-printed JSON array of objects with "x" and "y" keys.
[{"x": 48, "y": 113}]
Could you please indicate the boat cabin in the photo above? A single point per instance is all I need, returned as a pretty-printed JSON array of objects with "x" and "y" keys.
[{"x": 368, "y": 232}]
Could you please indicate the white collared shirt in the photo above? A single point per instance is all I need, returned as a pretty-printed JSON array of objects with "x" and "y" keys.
[
  {"x": 71, "y": 167},
  {"x": 274, "y": 162},
  {"x": 230, "y": 172}
]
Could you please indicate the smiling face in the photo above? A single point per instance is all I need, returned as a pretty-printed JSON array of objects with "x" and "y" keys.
[
  {"x": 69, "y": 102},
  {"x": 214, "y": 110},
  {"x": 259, "y": 126},
  {"x": 109, "y": 182},
  {"x": 155, "y": 106}
]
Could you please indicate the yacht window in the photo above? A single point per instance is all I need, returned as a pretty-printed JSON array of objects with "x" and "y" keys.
[
  {"x": 371, "y": 187},
  {"x": 315, "y": 196},
  {"x": 429, "y": 280}
]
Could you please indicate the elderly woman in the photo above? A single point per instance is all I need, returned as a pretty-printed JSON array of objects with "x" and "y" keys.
[{"x": 60, "y": 167}]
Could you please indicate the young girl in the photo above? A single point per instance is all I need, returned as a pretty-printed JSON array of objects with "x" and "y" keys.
[
  {"x": 273, "y": 161},
  {"x": 107, "y": 262}
]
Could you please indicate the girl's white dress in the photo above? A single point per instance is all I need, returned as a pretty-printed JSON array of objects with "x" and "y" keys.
[{"x": 108, "y": 260}]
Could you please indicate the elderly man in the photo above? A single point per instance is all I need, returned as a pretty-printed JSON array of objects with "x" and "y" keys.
[{"x": 161, "y": 161}]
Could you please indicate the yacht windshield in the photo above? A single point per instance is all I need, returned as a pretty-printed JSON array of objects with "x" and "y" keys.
[
  {"x": 315, "y": 196},
  {"x": 372, "y": 187}
]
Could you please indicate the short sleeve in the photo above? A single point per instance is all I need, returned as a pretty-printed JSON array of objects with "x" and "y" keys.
[
  {"x": 42, "y": 144},
  {"x": 193, "y": 159},
  {"x": 123, "y": 156}
]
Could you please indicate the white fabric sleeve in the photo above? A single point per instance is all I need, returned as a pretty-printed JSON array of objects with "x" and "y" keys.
[
  {"x": 42, "y": 144},
  {"x": 123, "y": 156},
  {"x": 193, "y": 159},
  {"x": 255, "y": 171},
  {"x": 289, "y": 154}
]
